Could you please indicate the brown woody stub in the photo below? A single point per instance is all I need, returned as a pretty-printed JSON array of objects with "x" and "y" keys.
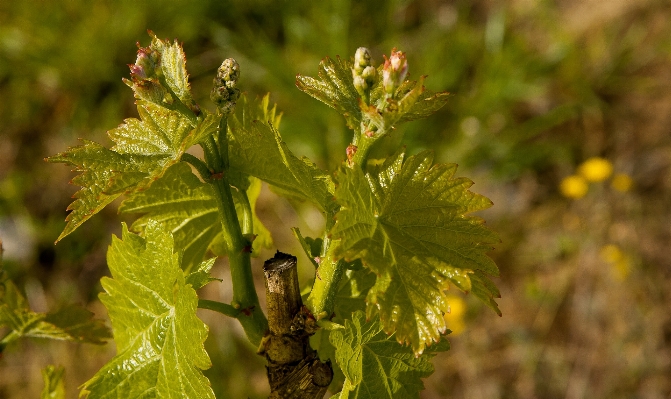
[{"x": 294, "y": 369}]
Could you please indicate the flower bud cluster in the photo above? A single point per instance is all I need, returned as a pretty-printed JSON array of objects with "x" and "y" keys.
[
  {"x": 147, "y": 65},
  {"x": 145, "y": 74},
  {"x": 224, "y": 92},
  {"x": 364, "y": 73},
  {"x": 394, "y": 71}
]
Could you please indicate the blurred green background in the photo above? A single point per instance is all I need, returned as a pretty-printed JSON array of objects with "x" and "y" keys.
[{"x": 537, "y": 88}]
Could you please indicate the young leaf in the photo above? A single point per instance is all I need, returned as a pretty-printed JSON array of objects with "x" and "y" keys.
[
  {"x": 184, "y": 205},
  {"x": 414, "y": 101},
  {"x": 188, "y": 208},
  {"x": 247, "y": 112},
  {"x": 312, "y": 247},
  {"x": 257, "y": 149},
  {"x": 159, "y": 76},
  {"x": 406, "y": 221},
  {"x": 54, "y": 384},
  {"x": 145, "y": 148},
  {"x": 426, "y": 104},
  {"x": 375, "y": 365},
  {"x": 352, "y": 293},
  {"x": 71, "y": 323},
  {"x": 351, "y": 297},
  {"x": 334, "y": 88},
  {"x": 201, "y": 277},
  {"x": 159, "y": 338}
]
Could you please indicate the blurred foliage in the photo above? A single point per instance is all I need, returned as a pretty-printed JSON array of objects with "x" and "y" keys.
[{"x": 537, "y": 88}]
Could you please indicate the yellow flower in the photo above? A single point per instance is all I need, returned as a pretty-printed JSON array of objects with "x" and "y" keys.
[
  {"x": 611, "y": 253},
  {"x": 573, "y": 187},
  {"x": 622, "y": 182},
  {"x": 454, "y": 317},
  {"x": 618, "y": 260},
  {"x": 595, "y": 169}
]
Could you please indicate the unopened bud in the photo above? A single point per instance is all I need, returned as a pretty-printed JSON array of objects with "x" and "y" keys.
[
  {"x": 369, "y": 74},
  {"x": 394, "y": 71},
  {"x": 147, "y": 64},
  {"x": 359, "y": 84},
  {"x": 363, "y": 73},
  {"x": 144, "y": 77},
  {"x": 361, "y": 59},
  {"x": 224, "y": 93}
]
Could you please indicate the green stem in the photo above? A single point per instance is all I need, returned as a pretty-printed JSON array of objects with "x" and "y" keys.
[
  {"x": 220, "y": 307},
  {"x": 7, "y": 339},
  {"x": 245, "y": 299},
  {"x": 321, "y": 300},
  {"x": 200, "y": 166},
  {"x": 222, "y": 139},
  {"x": 247, "y": 222},
  {"x": 213, "y": 156},
  {"x": 244, "y": 292},
  {"x": 364, "y": 145},
  {"x": 177, "y": 104}
]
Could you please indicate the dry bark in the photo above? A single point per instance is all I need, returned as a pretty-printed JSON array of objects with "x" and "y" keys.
[{"x": 294, "y": 369}]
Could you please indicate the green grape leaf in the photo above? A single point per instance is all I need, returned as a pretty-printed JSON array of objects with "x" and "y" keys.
[
  {"x": 188, "y": 208},
  {"x": 407, "y": 221},
  {"x": 412, "y": 101},
  {"x": 334, "y": 88},
  {"x": 375, "y": 365},
  {"x": 351, "y": 296},
  {"x": 54, "y": 383},
  {"x": 247, "y": 112},
  {"x": 425, "y": 105},
  {"x": 256, "y": 149},
  {"x": 144, "y": 149},
  {"x": 159, "y": 338},
  {"x": 201, "y": 277},
  {"x": 184, "y": 205},
  {"x": 71, "y": 323},
  {"x": 386, "y": 112},
  {"x": 312, "y": 247},
  {"x": 352, "y": 293}
]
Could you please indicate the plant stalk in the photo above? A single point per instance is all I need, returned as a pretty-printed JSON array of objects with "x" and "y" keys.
[
  {"x": 245, "y": 298},
  {"x": 321, "y": 300},
  {"x": 223, "y": 308}
]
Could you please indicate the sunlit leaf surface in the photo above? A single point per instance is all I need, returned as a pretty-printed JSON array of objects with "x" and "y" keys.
[
  {"x": 188, "y": 208},
  {"x": 143, "y": 148},
  {"x": 159, "y": 339},
  {"x": 406, "y": 220},
  {"x": 375, "y": 365},
  {"x": 257, "y": 149},
  {"x": 71, "y": 323}
]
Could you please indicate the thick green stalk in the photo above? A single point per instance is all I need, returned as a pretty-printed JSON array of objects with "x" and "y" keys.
[
  {"x": 321, "y": 300},
  {"x": 239, "y": 249},
  {"x": 200, "y": 166},
  {"x": 364, "y": 144}
]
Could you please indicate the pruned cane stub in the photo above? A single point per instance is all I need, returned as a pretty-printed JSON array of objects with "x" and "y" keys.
[{"x": 294, "y": 369}]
